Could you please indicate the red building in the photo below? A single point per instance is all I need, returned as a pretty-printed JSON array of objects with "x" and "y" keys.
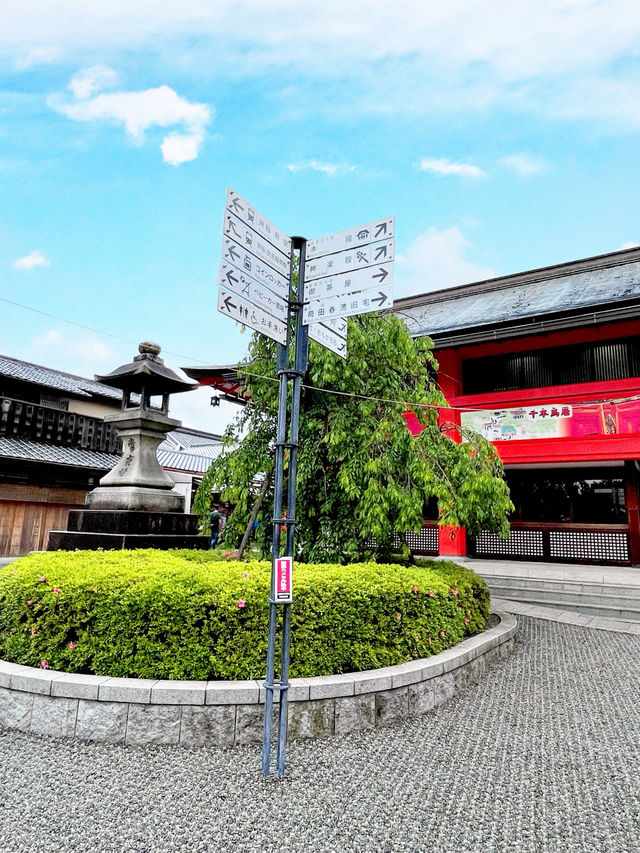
[{"x": 546, "y": 364}]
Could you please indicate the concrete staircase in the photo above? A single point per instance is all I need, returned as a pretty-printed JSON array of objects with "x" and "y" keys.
[{"x": 607, "y": 591}]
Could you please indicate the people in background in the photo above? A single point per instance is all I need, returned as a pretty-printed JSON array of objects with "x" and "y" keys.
[{"x": 216, "y": 521}]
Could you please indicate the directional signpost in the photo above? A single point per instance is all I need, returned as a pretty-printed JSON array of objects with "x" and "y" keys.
[{"x": 346, "y": 273}]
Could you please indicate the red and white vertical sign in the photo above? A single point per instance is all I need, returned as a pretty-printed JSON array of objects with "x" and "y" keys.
[{"x": 282, "y": 580}]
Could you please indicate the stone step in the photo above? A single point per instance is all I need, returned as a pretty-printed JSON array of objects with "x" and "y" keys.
[{"x": 613, "y": 600}]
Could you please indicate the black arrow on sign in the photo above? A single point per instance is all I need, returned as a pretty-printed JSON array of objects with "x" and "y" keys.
[
  {"x": 231, "y": 278},
  {"x": 228, "y": 304},
  {"x": 382, "y": 298},
  {"x": 237, "y": 205},
  {"x": 381, "y": 275},
  {"x": 381, "y": 252},
  {"x": 232, "y": 253},
  {"x": 382, "y": 229},
  {"x": 340, "y": 348}
]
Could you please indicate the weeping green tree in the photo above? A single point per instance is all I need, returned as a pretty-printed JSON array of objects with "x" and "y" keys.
[{"x": 361, "y": 474}]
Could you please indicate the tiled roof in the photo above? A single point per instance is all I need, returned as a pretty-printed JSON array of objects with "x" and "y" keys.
[
  {"x": 36, "y": 451},
  {"x": 48, "y": 378},
  {"x": 571, "y": 287},
  {"x": 180, "y": 461}
]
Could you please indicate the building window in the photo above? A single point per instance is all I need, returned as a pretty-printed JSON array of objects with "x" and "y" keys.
[
  {"x": 593, "y": 362},
  {"x": 578, "y": 496}
]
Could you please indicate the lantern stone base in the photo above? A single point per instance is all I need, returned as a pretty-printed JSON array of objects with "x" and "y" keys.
[
  {"x": 135, "y": 498},
  {"x": 89, "y": 530}
]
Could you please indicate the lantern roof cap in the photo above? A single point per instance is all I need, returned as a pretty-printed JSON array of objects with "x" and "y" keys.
[{"x": 147, "y": 371}]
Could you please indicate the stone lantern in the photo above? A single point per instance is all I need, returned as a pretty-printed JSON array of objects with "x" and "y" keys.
[{"x": 135, "y": 505}]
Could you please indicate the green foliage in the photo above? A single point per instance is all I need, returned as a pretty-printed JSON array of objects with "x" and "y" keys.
[
  {"x": 361, "y": 474},
  {"x": 189, "y": 615}
]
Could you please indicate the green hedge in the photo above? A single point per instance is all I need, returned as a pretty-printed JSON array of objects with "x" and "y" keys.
[{"x": 188, "y": 615}]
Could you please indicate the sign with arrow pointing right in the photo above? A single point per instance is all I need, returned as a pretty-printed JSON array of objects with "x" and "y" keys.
[
  {"x": 347, "y": 305},
  {"x": 335, "y": 285}
]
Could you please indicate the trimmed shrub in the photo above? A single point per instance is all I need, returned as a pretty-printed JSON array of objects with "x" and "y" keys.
[{"x": 189, "y": 615}]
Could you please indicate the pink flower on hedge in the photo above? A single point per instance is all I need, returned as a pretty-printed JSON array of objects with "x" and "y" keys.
[
  {"x": 42, "y": 579},
  {"x": 454, "y": 592},
  {"x": 398, "y": 616},
  {"x": 442, "y": 633},
  {"x": 55, "y": 590},
  {"x": 414, "y": 588},
  {"x": 431, "y": 593},
  {"x": 240, "y": 603},
  {"x": 466, "y": 620},
  {"x": 71, "y": 645},
  {"x": 245, "y": 574},
  {"x": 429, "y": 640},
  {"x": 29, "y": 603},
  {"x": 44, "y": 664},
  {"x": 33, "y": 632}
]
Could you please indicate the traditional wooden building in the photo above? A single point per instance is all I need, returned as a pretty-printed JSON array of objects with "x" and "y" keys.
[{"x": 55, "y": 447}]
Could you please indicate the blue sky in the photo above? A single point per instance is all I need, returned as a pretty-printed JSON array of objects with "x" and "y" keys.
[{"x": 502, "y": 136}]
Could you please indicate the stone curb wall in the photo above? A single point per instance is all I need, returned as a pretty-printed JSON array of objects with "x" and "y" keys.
[{"x": 140, "y": 711}]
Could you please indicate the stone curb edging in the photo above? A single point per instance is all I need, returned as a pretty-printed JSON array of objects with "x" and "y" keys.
[{"x": 140, "y": 711}]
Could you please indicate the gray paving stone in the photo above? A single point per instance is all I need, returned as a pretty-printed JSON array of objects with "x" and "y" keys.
[
  {"x": 313, "y": 719},
  {"x": 8, "y": 669},
  {"x": 153, "y": 724},
  {"x": 15, "y": 709},
  {"x": 126, "y": 690},
  {"x": 444, "y": 687},
  {"x": 407, "y": 673},
  {"x": 355, "y": 713},
  {"x": 77, "y": 686},
  {"x": 232, "y": 692},
  {"x": 209, "y": 725},
  {"x": 55, "y": 717},
  {"x": 392, "y": 706},
  {"x": 420, "y": 698},
  {"x": 178, "y": 692},
  {"x": 102, "y": 721},
  {"x": 330, "y": 686},
  {"x": 372, "y": 680},
  {"x": 33, "y": 680}
]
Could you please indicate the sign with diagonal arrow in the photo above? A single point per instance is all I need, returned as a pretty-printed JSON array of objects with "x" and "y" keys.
[
  {"x": 383, "y": 229},
  {"x": 246, "y": 237},
  {"x": 335, "y": 285},
  {"x": 257, "y": 294},
  {"x": 349, "y": 260},
  {"x": 347, "y": 305},
  {"x": 260, "y": 224},
  {"x": 329, "y": 338},
  {"x": 232, "y": 305}
]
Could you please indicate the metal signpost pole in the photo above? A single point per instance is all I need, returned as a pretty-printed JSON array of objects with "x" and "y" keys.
[
  {"x": 281, "y": 436},
  {"x": 298, "y": 372}
]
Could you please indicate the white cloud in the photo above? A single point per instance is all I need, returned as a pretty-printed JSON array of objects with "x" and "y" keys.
[
  {"x": 85, "y": 82},
  {"x": 33, "y": 259},
  {"x": 436, "y": 259},
  {"x": 82, "y": 356},
  {"x": 330, "y": 169},
  {"x": 138, "y": 111},
  {"x": 37, "y": 56},
  {"x": 446, "y": 167},
  {"x": 628, "y": 245},
  {"x": 525, "y": 165}
]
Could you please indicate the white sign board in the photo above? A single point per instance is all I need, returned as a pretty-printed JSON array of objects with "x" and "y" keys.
[
  {"x": 235, "y": 254},
  {"x": 320, "y": 310},
  {"x": 380, "y": 230},
  {"x": 254, "y": 292},
  {"x": 339, "y": 326},
  {"x": 231, "y": 305},
  {"x": 245, "y": 238},
  {"x": 326, "y": 336},
  {"x": 250, "y": 216},
  {"x": 334, "y": 285},
  {"x": 349, "y": 260}
]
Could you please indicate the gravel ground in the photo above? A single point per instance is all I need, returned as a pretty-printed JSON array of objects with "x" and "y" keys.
[{"x": 542, "y": 756}]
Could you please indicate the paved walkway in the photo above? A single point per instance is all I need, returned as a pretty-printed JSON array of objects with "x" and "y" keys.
[{"x": 541, "y": 756}]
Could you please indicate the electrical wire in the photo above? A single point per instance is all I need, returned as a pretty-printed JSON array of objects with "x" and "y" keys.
[{"x": 404, "y": 403}]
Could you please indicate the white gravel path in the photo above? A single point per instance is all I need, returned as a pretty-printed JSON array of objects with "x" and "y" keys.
[{"x": 544, "y": 755}]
